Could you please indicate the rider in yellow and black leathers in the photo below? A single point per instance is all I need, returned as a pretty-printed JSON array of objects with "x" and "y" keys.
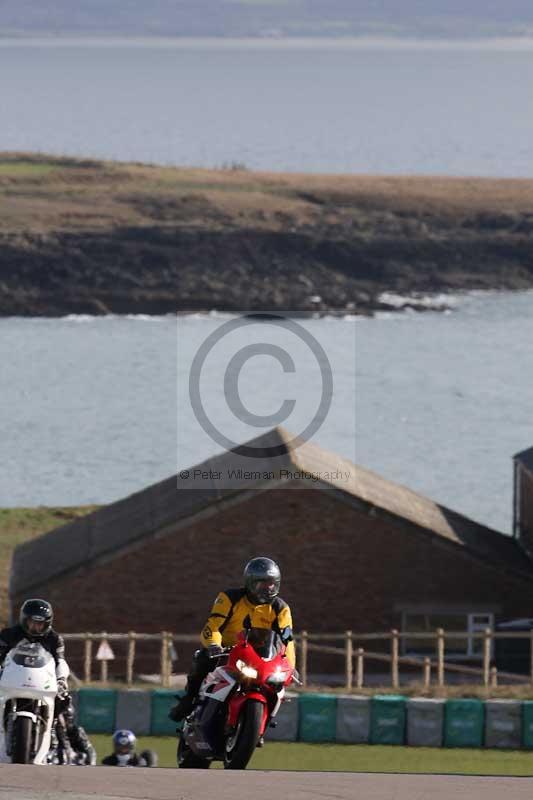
[{"x": 259, "y": 600}]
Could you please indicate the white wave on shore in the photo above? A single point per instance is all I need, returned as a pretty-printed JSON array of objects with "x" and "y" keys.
[
  {"x": 437, "y": 301},
  {"x": 99, "y": 317}
]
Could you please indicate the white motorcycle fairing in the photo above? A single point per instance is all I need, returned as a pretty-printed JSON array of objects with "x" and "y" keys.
[
  {"x": 217, "y": 685},
  {"x": 28, "y": 674}
]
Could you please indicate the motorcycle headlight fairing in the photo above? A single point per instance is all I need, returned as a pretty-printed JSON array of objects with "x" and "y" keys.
[
  {"x": 278, "y": 677},
  {"x": 245, "y": 669}
]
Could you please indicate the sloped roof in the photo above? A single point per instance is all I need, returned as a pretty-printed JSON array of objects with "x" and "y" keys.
[
  {"x": 396, "y": 500},
  {"x": 161, "y": 507},
  {"x": 526, "y": 458}
]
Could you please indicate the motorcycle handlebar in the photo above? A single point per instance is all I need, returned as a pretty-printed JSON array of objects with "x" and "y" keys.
[{"x": 223, "y": 652}]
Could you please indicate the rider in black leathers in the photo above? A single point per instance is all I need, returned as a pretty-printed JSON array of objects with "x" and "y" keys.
[{"x": 35, "y": 625}]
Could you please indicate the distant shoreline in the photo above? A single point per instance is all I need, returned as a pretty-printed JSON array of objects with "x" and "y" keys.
[
  {"x": 80, "y": 236},
  {"x": 398, "y": 42}
]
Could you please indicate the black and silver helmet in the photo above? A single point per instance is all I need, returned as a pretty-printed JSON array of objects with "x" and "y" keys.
[
  {"x": 262, "y": 579},
  {"x": 36, "y": 617},
  {"x": 124, "y": 742}
]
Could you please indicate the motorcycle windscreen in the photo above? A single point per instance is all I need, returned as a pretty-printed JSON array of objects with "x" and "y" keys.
[
  {"x": 30, "y": 654},
  {"x": 264, "y": 641}
]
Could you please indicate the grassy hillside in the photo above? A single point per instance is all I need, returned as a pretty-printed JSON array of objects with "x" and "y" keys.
[
  {"x": 97, "y": 237},
  {"x": 19, "y": 525}
]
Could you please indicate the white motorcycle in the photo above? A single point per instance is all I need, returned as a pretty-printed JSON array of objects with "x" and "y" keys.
[{"x": 28, "y": 689}]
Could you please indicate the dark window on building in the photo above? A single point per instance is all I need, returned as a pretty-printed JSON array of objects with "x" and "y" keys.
[{"x": 452, "y": 622}]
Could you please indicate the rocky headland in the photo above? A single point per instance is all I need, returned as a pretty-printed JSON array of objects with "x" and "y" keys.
[{"x": 82, "y": 236}]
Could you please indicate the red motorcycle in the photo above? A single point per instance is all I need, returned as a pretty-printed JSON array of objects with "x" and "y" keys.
[{"x": 237, "y": 701}]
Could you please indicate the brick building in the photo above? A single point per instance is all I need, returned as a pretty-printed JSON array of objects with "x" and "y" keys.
[
  {"x": 356, "y": 552},
  {"x": 523, "y": 499}
]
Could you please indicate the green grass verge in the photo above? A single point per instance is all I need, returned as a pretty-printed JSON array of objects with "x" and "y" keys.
[
  {"x": 19, "y": 525},
  {"x": 25, "y": 168},
  {"x": 357, "y": 758}
]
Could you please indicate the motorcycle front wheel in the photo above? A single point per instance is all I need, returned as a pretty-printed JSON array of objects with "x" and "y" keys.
[
  {"x": 240, "y": 745},
  {"x": 22, "y": 749},
  {"x": 189, "y": 760}
]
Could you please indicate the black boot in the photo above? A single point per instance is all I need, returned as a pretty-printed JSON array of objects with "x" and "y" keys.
[
  {"x": 80, "y": 743},
  {"x": 183, "y": 708},
  {"x": 200, "y": 667}
]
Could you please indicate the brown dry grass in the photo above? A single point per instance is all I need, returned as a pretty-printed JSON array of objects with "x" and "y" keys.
[{"x": 41, "y": 193}]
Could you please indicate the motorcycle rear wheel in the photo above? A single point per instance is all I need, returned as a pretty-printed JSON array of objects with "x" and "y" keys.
[
  {"x": 188, "y": 760},
  {"x": 23, "y": 732},
  {"x": 241, "y": 745}
]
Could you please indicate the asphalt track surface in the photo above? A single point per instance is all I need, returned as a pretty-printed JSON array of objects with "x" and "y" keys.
[{"x": 107, "y": 783}]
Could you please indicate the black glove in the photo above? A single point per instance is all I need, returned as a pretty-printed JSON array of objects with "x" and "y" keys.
[
  {"x": 214, "y": 650},
  {"x": 62, "y": 688}
]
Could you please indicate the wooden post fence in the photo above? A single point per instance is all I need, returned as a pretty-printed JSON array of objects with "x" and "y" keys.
[
  {"x": 531, "y": 656},
  {"x": 440, "y": 657},
  {"x": 163, "y": 669},
  {"x": 360, "y": 667},
  {"x": 303, "y": 656},
  {"x": 427, "y": 672},
  {"x": 349, "y": 660},
  {"x": 340, "y": 645},
  {"x": 487, "y": 647},
  {"x": 168, "y": 662},
  {"x": 131, "y": 658},
  {"x": 103, "y": 665},
  {"x": 395, "y": 675},
  {"x": 88, "y": 656}
]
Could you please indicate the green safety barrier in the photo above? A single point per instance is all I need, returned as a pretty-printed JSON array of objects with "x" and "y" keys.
[
  {"x": 96, "y": 709},
  {"x": 134, "y": 711},
  {"x": 463, "y": 723},
  {"x": 317, "y": 717},
  {"x": 162, "y": 702},
  {"x": 387, "y": 719},
  {"x": 527, "y": 723}
]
